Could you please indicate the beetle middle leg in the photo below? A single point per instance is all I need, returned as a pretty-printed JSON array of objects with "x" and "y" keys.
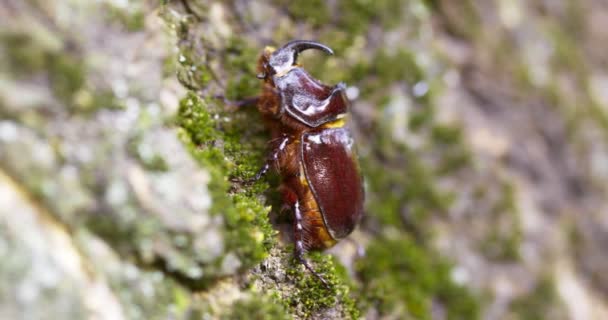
[{"x": 299, "y": 249}]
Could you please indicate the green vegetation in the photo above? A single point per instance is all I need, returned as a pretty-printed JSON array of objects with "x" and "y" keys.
[
  {"x": 256, "y": 307},
  {"x": 34, "y": 52},
  {"x": 314, "y": 12},
  {"x": 539, "y": 304},
  {"x": 357, "y": 16},
  {"x": 309, "y": 295},
  {"x": 248, "y": 231},
  {"x": 504, "y": 235},
  {"x": 400, "y": 276}
]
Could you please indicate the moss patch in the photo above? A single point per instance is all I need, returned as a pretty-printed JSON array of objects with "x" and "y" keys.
[
  {"x": 313, "y": 12},
  {"x": 401, "y": 277},
  {"x": 248, "y": 231},
  {"x": 540, "y": 303},
  {"x": 309, "y": 296},
  {"x": 356, "y": 16},
  {"x": 61, "y": 63},
  {"x": 256, "y": 307},
  {"x": 504, "y": 236}
]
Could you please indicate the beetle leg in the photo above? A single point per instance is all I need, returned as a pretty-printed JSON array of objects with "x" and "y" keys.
[
  {"x": 251, "y": 101},
  {"x": 299, "y": 244},
  {"x": 262, "y": 172},
  {"x": 272, "y": 159}
]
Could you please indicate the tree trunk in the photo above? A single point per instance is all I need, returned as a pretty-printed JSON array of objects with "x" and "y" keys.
[{"x": 482, "y": 136}]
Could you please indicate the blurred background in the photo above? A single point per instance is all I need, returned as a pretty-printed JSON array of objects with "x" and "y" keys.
[{"x": 482, "y": 130}]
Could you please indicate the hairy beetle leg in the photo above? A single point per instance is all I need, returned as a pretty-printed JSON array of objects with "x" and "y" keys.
[
  {"x": 299, "y": 245},
  {"x": 261, "y": 173},
  {"x": 251, "y": 101},
  {"x": 272, "y": 159}
]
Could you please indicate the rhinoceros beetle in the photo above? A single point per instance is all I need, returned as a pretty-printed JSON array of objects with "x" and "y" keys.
[{"x": 312, "y": 150}]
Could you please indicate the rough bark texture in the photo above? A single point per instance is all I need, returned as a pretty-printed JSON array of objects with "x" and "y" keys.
[{"x": 482, "y": 128}]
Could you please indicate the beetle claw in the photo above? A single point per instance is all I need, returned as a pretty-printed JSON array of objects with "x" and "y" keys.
[{"x": 307, "y": 265}]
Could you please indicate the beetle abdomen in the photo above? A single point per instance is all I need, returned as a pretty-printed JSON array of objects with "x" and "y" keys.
[{"x": 333, "y": 175}]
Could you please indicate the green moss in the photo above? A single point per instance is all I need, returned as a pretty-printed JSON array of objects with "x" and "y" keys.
[
  {"x": 398, "y": 66},
  {"x": 382, "y": 70},
  {"x": 256, "y": 307},
  {"x": 460, "y": 18},
  {"x": 249, "y": 304},
  {"x": 191, "y": 72},
  {"x": 356, "y": 16},
  {"x": 248, "y": 232},
  {"x": 446, "y": 135},
  {"x": 314, "y": 12},
  {"x": 240, "y": 63},
  {"x": 432, "y": 4},
  {"x": 338, "y": 39},
  {"x": 152, "y": 162},
  {"x": 400, "y": 276},
  {"x": 372, "y": 72},
  {"x": 41, "y": 54},
  {"x": 539, "y": 304},
  {"x": 132, "y": 288},
  {"x": 311, "y": 296},
  {"x": 455, "y": 154},
  {"x": 403, "y": 194},
  {"x": 132, "y": 19},
  {"x": 66, "y": 75},
  {"x": 420, "y": 118},
  {"x": 567, "y": 56},
  {"x": 504, "y": 236},
  {"x": 23, "y": 55},
  {"x": 570, "y": 59},
  {"x": 192, "y": 63}
]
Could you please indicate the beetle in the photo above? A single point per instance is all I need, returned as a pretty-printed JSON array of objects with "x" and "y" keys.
[{"x": 312, "y": 150}]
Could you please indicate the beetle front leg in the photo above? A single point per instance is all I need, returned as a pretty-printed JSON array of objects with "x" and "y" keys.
[
  {"x": 251, "y": 101},
  {"x": 272, "y": 159},
  {"x": 262, "y": 172},
  {"x": 299, "y": 249}
]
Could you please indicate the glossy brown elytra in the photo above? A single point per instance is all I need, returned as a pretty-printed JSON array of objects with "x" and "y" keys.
[{"x": 311, "y": 149}]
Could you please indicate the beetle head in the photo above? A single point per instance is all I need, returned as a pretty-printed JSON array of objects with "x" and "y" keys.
[{"x": 279, "y": 61}]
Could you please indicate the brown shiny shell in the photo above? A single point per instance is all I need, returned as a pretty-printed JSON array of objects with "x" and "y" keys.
[
  {"x": 333, "y": 176},
  {"x": 308, "y": 100}
]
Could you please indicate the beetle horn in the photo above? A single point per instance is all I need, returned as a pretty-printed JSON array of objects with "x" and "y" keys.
[
  {"x": 287, "y": 55},
  {"x": 298, "y": 46}
]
